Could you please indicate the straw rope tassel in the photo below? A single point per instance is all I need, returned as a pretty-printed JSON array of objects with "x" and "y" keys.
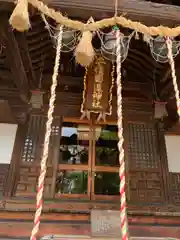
[
  {"x": 173, "y": 73},
  {"x": 123, "y": 214},
  {"x": 39, "y": 199},
  {"x": 20, "y": 17}
]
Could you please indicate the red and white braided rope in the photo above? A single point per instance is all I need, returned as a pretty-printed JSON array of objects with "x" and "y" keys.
[
  {"x": 39, "y": 199},
  {"x": 173, "y": 73},
  {"x": 123, "y": 209}
]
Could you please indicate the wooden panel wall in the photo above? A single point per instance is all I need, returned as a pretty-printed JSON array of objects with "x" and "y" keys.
[
  {"x": 133, "y": 109},
  {"x": 171, "y": 180},
  {"x": 146, "y": 176},
  {"x": 31, "y": 157},
  {"x": 3, "y": 176},
  {"x": 175, "y": 188},
  {"x": 148, "y": 169},
  {"x": 8, "y": 171}
]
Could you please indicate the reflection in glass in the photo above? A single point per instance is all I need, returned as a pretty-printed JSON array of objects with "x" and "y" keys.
[
  {"x": 106, "y": 183},
  {"x": 72, "y": 182},
  {"x": 72, "y": 150},
  {"x": 106, "y": 147}
]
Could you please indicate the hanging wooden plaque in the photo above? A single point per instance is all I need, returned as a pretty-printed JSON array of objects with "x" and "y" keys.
[{"x": 98, "y": 84}]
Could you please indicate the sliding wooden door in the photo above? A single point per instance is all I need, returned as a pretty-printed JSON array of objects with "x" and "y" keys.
[{"x": 88, "y": 163}]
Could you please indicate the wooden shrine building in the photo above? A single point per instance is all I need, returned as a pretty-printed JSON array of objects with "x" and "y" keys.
[{"x": 83, "y": 167}]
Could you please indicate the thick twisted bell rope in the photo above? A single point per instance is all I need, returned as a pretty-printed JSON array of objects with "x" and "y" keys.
[
  {"x": 40, "y": 190},
  {"x": 123, "y": 210},
  {"x": 173, "y": 73}
]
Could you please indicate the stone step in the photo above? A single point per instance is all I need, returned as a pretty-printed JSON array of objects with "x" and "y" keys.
[
  {"x": 73, "y": 237},
  {"x": 81, "y": 237}
]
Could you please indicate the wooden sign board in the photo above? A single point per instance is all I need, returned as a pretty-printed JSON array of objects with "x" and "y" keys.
[{"x": 98, "y": 87}]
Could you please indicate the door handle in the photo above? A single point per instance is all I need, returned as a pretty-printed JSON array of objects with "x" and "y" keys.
[{"x": 90, "y": 174}]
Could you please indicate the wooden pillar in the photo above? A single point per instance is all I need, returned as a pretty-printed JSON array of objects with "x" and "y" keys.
[
  {"x": 128, "y": 192},
  {"x": 3, "y": 174},
  {"x": 15, "y": 161},
  {"x": 56, "y": 148},
  {"x": 163, "y": 160}
]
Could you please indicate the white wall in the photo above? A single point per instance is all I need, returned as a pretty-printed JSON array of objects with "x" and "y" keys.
[
  {"x": 7, "y": 138},
  {"x": 173, "y": 152}
]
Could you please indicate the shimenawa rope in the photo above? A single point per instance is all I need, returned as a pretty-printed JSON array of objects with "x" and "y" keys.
[{"x": 74, "y": 24}]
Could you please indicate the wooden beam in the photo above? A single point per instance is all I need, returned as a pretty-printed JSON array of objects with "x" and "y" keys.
[
  {"x": 75, "y": 98},
  {"x": 14, "y": 59},
  {"x": 6, "y": 114},
  {"x": 167, "y": 90},
  {"x": 147, "y": 12},
  {"x": 161, "y": 81},
  {"x": 172, "y": 119},
  {"x": 165, "y": 80},
  {"x": 74, "y": 85},
  {"x": 143, "y": 89}
]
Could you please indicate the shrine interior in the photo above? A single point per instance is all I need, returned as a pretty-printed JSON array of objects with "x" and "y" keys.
[{"x": 26, "y": 65}]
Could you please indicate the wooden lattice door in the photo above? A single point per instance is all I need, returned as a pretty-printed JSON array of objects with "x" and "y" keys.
[
  {"x": 31, "y": 156},
  {"x": 73, "y": 179},
  {"x": 146, "y": 176}
]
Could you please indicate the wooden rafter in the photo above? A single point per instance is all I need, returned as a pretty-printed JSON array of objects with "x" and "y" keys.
[
  {"x": 167, "y": 84},
  {"x": 172, "y": 119},
  {"x": 164, "y": 81},
  {"x": 24, "y": 51},
  {"x": 14, "y": 59},
  {"x": 6, "y": 114}
]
